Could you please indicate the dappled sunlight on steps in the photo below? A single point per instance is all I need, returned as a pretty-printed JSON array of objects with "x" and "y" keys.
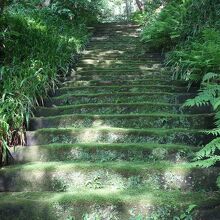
[{"x": 113, "y": 141}]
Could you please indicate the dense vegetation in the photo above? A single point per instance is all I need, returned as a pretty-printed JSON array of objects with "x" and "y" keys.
[
  {"x": 37, "y": 41},
  {"x": 189, "y": 31}
]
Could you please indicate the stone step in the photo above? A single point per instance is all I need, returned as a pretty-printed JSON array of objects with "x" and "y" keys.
[
  {"x": 117, "y": 25},
  {"x": 120, "y": 97},
  {"x": 117, "y": 135},
  {"x": 120, "y": 55},
  {"x": 116, "y": 67},
  {"x": 89, "y": 76},
  {"x": 107, "y": 40},
  {"x": 87, "y": 57},
  {"x": 123, "y": 72},
  {"x": 108, "y": 176},
  {"x": 124, "y": 121},
  {"x": 85, "y": 61},
  {"x": 128, "y": 82},
  {"x": 80, "y": 87},
  {"x": 116, "y": 39},
  {"x": 115, "y": 28},
  {"x": 110, "y": 47},
  {"x": 104, "y": 152},
  {"x": 118, "y": 108},
  {"x": 118, "y": 33},
  {"x": 134, "y": 204}
]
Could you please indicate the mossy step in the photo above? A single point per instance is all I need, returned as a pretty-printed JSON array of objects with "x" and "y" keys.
[
  {"x": 84, "y": 87},
  {"x": 104, "y": 152},
  {"x": 111, "y": 47},
  {"x": 134, "y": 204},
  {"x": 75, "y": 77},
  {"x": 108, "y": 176},
  {"x": 124, "y": 121},
  {"x": 116, "y": 28},
  {"x": 124, "y": 72},
  {"x": 107, "y": 62},
  {"x": 151, "y": 67},
  {"x": 113, "y": 76},
  {"x": 137, "y": 59},
  {"x": 121, "y": 56},
  {"x": 74, "y": 82},
  {"x": 116, "y": 25},
  {"x": 116, "y": 135},
  {"x": 126, "y": 82},
  {"x": 108, "y": 39},
  {"x": 117, "y": 108},
  {"x": 124, "y": 56},
  {"x": 117, "y": 33},
  {"x": 113, "y": 41},
  {"x": 119, "y": 97},
  {"x": 123, "y": 52}
]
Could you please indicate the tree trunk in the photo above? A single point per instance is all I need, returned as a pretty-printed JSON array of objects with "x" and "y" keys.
[
  {"x": 47, "y": 3},
  {"x": 140, "y": 5},
  {"x": 2, "y": 5}
]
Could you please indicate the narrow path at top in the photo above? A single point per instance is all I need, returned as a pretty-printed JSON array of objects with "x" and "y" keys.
[{"x": 112, "y": 143}]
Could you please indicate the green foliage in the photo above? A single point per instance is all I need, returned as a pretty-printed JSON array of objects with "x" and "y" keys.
[
  {"x": 190, "y": 29},
  {"x": 197, "y": 60},
  {"x": 139, "y": 17},
  {"x": 165, "y": 27},
  {"x": 78, "y": 10},
  {"x": 179, "y": 20},
  {"x": 187, "y": 215},
  {"x": 37, "y": 45}
]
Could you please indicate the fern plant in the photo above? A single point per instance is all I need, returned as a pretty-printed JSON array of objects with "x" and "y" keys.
[
  {"x": 198, "y": 63},
  {"x": 209, "y": 95}
]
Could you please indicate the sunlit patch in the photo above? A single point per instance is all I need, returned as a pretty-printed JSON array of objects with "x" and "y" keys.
[
  {"x": 29, "y": 154},
  {"x": 98, "y": 123},
  {"x": 68, "y": 181},
  {"x": 175, "y": 179},
  {"x": 142, "y": 208},
  {"x": 97, "y": 211},
  {"x": 112, "y": 138},
  {"x": 89, "y": 135},
  {"x": 35, "y": 178}
]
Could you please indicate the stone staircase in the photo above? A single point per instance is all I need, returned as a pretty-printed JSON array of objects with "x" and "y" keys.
[{"x": 113, "y": 142}]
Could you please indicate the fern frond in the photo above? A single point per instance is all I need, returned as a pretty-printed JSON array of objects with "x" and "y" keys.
[
  {"x": 208, "y": 95},
  {"x": 207, "y": 162},
  {"x": 209, "y": 149},
  {"x": 208, "y": 76}
]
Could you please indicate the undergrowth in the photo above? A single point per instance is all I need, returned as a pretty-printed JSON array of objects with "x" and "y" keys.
[
  {"x": 37, "y": 46},
  {"x": 189, "y": 30}
]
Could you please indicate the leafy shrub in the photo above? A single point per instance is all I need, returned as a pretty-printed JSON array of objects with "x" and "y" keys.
[
  {"x": 191, "y": 29},
  {"x": 179, "y": 21},
  {"x": 36, "y": 45},
  {"x": 199, "y": 61},
  {"x": 164, "y": 30},
  {"x": 197, "y": 58},
  {"x": 78, "y": 10}
]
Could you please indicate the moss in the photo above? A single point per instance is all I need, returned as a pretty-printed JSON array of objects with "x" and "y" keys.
[
  {"x": 88, "y": 87},
  {"x": 120, "y": 97},
  {"x": 133, "y": 168},
  {"x": 156, "y": 131},
  {"x": 157, "y": 197},
  {"x": 109, "y": 108},
  {"x": 160, "y": 120},
  {"x": 144, "y": 146}
]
